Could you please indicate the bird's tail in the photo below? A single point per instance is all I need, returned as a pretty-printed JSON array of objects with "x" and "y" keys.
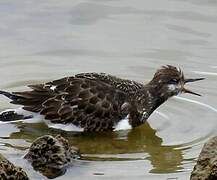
[
  {"x": 31, "y": 100},
  {"x": 9, "y": 95}
]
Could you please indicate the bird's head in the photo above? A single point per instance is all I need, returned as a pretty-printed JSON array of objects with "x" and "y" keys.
[{"x": 170, "y": 81}]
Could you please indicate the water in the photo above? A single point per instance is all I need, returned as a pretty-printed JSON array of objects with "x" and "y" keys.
[{"x": 49, "y": 39}]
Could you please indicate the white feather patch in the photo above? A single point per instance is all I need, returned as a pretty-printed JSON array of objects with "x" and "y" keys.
[
  {"x": 36, "y": 118},
  {"x": 171, "y": 87},
  {"x": 53, "y": 88},
  {"x": 123, "y": 124},
  {"x": 64, "y": 127}
]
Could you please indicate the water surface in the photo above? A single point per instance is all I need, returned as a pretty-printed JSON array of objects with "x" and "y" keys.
[{"x": 49, "y": 39}]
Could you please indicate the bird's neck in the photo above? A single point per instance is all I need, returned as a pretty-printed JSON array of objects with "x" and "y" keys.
[{"x": 153, "y": 97}]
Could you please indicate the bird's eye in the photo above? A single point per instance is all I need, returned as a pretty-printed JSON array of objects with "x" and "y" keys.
[{"x": 173, "y": 81}]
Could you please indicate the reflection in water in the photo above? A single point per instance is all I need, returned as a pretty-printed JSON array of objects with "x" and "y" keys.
[
  {"x": 127, "y": 38},
  {"x": 139, "y": 143}
]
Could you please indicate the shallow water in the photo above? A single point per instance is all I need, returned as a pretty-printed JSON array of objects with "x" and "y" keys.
[{"x": 49, "y": 39}]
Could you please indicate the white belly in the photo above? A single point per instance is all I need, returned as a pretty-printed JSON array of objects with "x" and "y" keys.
[
  {"x": 64, "y": 127},
  {"x": 36, "y": 118},
  {"x": 123, "y": 124}
]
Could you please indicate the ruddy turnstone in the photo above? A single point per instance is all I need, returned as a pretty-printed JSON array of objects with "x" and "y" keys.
[{"x": 97, "y": 101}]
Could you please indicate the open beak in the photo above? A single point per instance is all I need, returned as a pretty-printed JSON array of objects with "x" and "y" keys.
[{"x": 191, "y": 80}]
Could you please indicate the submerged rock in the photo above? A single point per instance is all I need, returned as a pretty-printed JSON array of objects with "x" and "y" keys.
[
  {"x": 51, "y": 155},
  {"x": 206, "y": 167},
  {"x": 8, "y": 171}
]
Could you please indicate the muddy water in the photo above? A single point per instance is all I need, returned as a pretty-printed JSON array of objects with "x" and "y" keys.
[{"x": 45, "y": 40}]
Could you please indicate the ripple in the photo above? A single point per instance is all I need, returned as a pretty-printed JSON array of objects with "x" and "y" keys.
[
  {"x": 129, "y": 38},
  {"x": 197, "y": 102},
  {"x": 206, "y": 73},
  {"x": 187, "y": 30}
]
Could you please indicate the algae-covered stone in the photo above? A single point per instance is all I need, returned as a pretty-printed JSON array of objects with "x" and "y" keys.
[
  {"x": 206, "y": 167},
  {"x": 51, "y": 155},
  {"x": 8, "y": 171}
]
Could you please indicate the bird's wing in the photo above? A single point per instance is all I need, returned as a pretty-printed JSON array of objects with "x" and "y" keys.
[{"x": 88, "y": 103}]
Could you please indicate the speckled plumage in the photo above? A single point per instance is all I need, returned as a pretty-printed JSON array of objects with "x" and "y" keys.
[{"x": 97, "y": 101}]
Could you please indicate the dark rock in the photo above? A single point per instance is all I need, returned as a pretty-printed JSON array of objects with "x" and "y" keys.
[
  {"x": 8, "y": 171},
  {"x": 206, "y": 167},
  {"x": 12, "y": 116},
  {"x": 51, "y": 156}
]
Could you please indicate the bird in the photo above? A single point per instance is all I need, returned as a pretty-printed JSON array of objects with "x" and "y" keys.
[{"x": 93, "y": 102}]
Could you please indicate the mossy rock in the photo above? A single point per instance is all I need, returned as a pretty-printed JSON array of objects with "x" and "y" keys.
[
  {"x": 51, "y": 155},
  {"x": 206, "y": 167},
  {"x": 8, "y": 171}
]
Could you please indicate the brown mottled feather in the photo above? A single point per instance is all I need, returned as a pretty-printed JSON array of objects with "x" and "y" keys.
[{"x": 90, "y": 104}]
